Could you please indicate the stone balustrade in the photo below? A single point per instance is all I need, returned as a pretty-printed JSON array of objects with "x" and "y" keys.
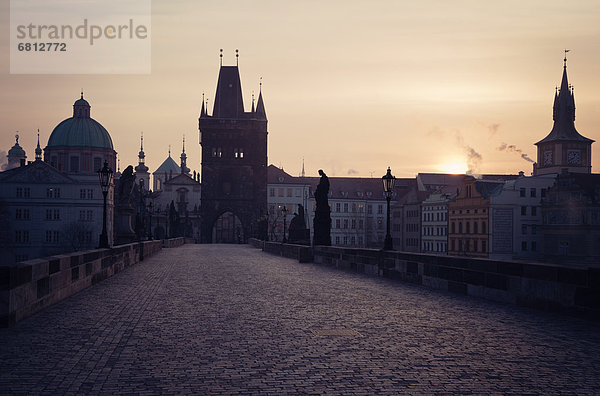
[{"x": 30, "y": 286}]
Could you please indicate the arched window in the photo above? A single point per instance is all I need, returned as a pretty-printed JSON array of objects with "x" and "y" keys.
[
  {"x": 468, "y": 227},
  {"x": 460, "y": 227}
]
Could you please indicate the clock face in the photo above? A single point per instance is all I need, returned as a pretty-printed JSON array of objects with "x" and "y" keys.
[
  {"x": 574, "y": 158},
  {"x": 548, "y": 158}
]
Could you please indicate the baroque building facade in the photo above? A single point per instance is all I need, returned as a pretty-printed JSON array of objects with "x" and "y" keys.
[{"x": 55, "y": 205}]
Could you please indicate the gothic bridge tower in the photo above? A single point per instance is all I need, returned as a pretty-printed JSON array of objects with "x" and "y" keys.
[
  {"x": 564, "y": 147},
  {"x": 234, "y": 163}
]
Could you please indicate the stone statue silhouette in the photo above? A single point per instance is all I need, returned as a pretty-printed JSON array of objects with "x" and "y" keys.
[
  {"x": 298, "y": 233},
  {"x": 322, "y": 220},
  {"x": 124, "y": 207}
]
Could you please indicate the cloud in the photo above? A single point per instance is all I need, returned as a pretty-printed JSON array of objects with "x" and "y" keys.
[
  {"x": 493, "y": 129},
  {"x": 515, "y": 149}
]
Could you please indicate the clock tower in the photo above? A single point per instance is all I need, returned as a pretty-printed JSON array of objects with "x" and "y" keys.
[
  {"x": 564, "y": 147},
  {"x": 234, "y": 163}
]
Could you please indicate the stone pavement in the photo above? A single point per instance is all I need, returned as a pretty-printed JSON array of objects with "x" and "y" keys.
[{"x": 216, "y": 319}]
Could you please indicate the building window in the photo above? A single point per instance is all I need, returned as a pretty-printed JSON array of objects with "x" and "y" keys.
[
  {"x": 532, "y": 193},
  {"x": 523, "y": 210},
  {"x": 534, "y": 246},
  {"x": 97, "y": 163},
  {"x": 21, "y": 236},
  {"x": 475, "y": 226},
  {"x": 345, "y": 207},
  {"x": 483, "y": 246},
  {"x": 361, "y": 224},
  {"x": 345, "y": 240},
  {"x": 280, "y": 192},
  {"x": 533, "y": 229},
  {"x": 48, "y": 236},
  {"x": 272, "y": 192},
  {"x": 483, "y": 231},
  {"x": 379, "y": 209},
  {"x": 337, "y": 223},
  {"x": 90, "y": 193},
  {"x": 289, "y": 192},
  {"x": 48, "y": 214},
  {"x": 468, "y": 227},
  {"x": 353, "y": 224},
  {"x": 369, "y": 209},
  {"x": 56, "y": 214},
  {"x": 543, "y": 192},
  {"x": 534, "y": 211},
  {"x": 453, "y": 228},
  {"x": 82, "y": 193},
  {"x": 522, "y": 192},
  {"x": 82, "y": 215},
  {"x": 345, "y": 223},
  {"x": 524, "y": 246},
  {"x": 74, "y": 164},
  {"x": 338, "y": 207},
  {"x": 460, "y": 227},
  {"x": 337, "y": 240}
]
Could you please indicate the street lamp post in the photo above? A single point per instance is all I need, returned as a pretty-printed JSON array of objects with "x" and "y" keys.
[
  {"x": 150, "y": 210},
  {"x": 105, "y": 175},
  {"x": 284, "y": 211},
  {"x": 388, "y": 189}
]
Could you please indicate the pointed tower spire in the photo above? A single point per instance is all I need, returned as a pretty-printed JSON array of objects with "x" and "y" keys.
[
  {"x": 303, "y": 174},
  {"x": 260, "y": 106},
  {"x": 141, "y": 168},
  {"x": 202, "y": 110},
  {"x": 252, "y": 101},
  {"x": 564, "y": 147},
  {"x": 184, "y": 168},
  {"x": 38, "y": 149}
]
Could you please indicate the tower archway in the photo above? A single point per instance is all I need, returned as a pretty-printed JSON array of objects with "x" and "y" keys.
[{"x": 228, "y": 228}]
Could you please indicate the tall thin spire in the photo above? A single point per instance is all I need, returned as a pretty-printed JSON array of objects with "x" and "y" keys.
[
  {"x": 253, "y": 101},
  {"x": 38, "y": 149},
  {"x": 202, "y": 110},
  {"x": 237, "y": 57},
  {"x": 221, "y": 57},
  {"x": 184, "y": 168},
  {"x": 260, "y": 106},
  {"x": 303, "y": 174},
  {"x": 141, "y": 166}
]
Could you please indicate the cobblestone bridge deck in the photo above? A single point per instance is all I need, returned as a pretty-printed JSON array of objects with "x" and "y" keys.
[{"x": 211, "y": 319}]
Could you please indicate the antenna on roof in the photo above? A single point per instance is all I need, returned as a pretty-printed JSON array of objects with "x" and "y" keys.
[
  {"x": 221, "y": 56},
  {"x": 237, "y": 56}
]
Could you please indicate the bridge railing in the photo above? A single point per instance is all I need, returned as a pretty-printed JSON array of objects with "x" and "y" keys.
[
  {"x": 543, "y": 286},
  {"x": 30, "y": 286}
]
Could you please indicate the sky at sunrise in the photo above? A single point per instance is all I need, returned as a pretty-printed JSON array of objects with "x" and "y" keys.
[{"x": 350, "y": 86}]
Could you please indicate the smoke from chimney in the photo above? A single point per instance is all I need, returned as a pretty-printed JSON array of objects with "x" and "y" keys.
[{"x": 513, "y": 148}]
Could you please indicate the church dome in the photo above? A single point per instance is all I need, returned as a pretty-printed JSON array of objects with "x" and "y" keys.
[
  {"x": 80, "y": 130},
  {"x": 16, "y": 150}
]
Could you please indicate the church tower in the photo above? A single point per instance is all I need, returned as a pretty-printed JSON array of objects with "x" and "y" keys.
[
  {"x": 141, "y": 170},
  {"x": 234, "y": 163},
  {"x": 564, "y": 147}
]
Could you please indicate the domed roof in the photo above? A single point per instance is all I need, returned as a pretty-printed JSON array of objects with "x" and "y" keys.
[
  {"x": 16, "y": 150},
  {"x": 80, "y": 130},
  {"x": 81, "y": 102}
]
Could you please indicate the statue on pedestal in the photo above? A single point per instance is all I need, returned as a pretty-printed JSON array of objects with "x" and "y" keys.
[
  {"x": 124, "y": 208},
  {"x": 322, "y": 220},
  {"x": 298, "y": 233}
]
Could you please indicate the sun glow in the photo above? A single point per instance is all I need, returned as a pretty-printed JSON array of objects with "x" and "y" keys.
[{"x": 455, "y": 168}]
